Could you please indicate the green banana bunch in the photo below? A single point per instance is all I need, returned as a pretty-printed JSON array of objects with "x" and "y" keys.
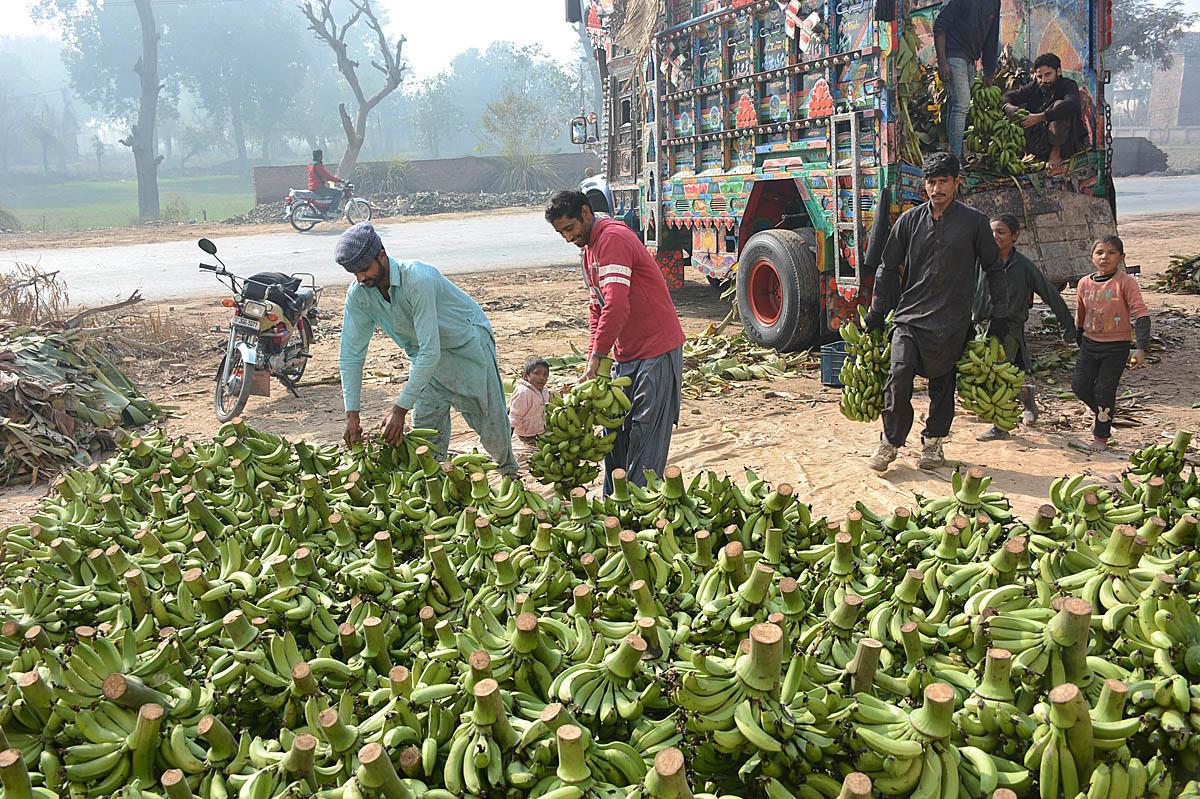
[
  {"x": 570, "y": 448},
  {"x": 1162, "y": 460},
  {"x": 991, "y": 133},
  {"x": 908, "y": 754},
  {"x": 988, "y": 384},
  {"x": 865, "y": 370}
]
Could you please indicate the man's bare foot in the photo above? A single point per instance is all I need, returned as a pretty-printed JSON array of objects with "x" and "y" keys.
[
  {"x": 1098, "y": 445},
  {"x": 1055, "y": 159}
]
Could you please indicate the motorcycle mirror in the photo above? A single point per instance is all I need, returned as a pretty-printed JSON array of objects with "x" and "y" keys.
[{"x": 207, "y": 246}]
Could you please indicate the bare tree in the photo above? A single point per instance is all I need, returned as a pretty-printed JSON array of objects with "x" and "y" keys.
[
  {"x": 142, "y": 139},
  {"x": 98, "y": 151},
  {"x": 391, "y": 64},
  {"x": 42, "y": 127}
]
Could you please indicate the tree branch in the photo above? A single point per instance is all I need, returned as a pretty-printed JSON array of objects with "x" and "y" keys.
[
  {"x": 33, "y": 281},
  {"x": 74, "y": 321}
]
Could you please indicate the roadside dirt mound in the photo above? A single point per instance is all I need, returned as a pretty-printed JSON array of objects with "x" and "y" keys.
[{"x": 420, "y": 203}]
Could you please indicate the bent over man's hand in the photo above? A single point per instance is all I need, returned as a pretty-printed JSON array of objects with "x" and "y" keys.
[
  {"x": 353, "y": 428},
  {"x": 393, "y": 425}
]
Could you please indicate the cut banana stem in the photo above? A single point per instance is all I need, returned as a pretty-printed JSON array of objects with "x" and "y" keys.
[
  {"x": 667, "y": 778},
  {"x": 14, "y": 777}
]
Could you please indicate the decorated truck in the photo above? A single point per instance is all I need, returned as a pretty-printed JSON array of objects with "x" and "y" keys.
[{"x": 774, "y": 144}]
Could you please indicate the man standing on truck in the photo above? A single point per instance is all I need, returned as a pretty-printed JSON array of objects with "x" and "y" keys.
[
  {"x": 633, "y": 316},
  {"x": 1054, "y": 122},
  {"x": 938, "y": 243},
  {"x": 451, "y": 351},
  {"x": 964, "y": 32}
]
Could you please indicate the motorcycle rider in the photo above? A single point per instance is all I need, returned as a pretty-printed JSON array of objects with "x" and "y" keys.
[{"x": 317, "y": 177}]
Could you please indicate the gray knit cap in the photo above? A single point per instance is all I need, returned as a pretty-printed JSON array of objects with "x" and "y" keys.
[{"x": 357, "y": 247}]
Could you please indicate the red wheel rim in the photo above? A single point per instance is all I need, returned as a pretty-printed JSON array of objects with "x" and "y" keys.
[{"x": 766, "y": 292}]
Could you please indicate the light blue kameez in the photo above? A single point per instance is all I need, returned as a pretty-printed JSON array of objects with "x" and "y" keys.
[{"x": 451, "y": 353}]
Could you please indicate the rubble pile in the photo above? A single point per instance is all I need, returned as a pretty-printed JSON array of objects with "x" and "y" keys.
[{"x": 418, "y": 203}]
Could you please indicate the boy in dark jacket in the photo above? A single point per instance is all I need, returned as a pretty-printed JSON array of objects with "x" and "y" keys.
[{"x": 1024, "y": 280}]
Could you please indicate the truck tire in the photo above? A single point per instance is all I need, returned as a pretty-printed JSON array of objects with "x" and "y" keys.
[{"x": 779, "y": 291}]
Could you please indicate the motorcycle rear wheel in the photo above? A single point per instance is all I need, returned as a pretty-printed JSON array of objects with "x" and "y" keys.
[
  {"x": 358, "y": 210},
  {"x": 223, "y": 396},
  {"x": 303, "y": 216},
  {"x": 306, "y": 336}
]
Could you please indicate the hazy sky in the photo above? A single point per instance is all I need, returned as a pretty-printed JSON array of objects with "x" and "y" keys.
[{"x": 431, "y": 40}]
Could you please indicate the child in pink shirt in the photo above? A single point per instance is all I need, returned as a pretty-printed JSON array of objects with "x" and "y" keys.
[
  {"x": 527, "y": 406},
  {"x": 1109, "y": 312}
]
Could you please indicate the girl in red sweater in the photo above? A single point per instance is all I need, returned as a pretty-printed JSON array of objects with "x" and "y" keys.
[{"x": 1109, "y": 312}]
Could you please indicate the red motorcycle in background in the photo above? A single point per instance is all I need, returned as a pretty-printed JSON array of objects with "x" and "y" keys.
[{"x": 305, "y": 209}]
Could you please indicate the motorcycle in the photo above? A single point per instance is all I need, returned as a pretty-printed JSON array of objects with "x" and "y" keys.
[
  {"x": 269, "y": 334},
  {"x": 305, "y": 209}
]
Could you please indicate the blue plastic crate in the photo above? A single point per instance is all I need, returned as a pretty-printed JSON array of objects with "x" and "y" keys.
[{"x": 832, "y": 357}]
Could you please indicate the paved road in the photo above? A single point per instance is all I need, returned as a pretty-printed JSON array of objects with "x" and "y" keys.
[
  {"x": 480, "y": 243},
  {"x": 1171, "y": 195},
  {"x": 169, "y": 270}
]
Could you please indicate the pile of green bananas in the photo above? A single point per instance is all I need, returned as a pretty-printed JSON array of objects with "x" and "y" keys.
[
  {"x": 571, "y": 447},
  {"x": 991, "y": 133},
  {"x": 1161, "y": 457},
  {"x": 865, "y": 370},
  {"x": 988, "y": 384},
  {"x": 259, "y": 618}
]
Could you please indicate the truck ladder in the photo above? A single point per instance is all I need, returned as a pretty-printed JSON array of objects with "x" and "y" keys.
[{"x": 841, "y": 123}]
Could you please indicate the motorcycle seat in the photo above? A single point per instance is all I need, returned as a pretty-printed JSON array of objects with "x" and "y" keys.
[
  {"x": 305, "y": 298},
  {"x": 275, "y": 287},
  {"x": 303, "y": 194}
]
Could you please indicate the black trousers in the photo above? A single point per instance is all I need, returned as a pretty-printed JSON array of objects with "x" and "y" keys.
[
  {"x": 897, "y": 414},
  {"x": 1097, "y": 372}
]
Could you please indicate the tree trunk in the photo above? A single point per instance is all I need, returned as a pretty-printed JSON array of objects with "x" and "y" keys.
[
  {"x": 45, "y": 158},
  {"x": 239, "y": 137},
  {"x": 356, "y": 133},
  {"x": 266, "y": 145},
  {"x": 142, "y": 139}
]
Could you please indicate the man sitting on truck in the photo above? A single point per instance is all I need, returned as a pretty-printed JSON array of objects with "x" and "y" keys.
[
  {"x": 1054, "y": 122},
  {"x": 964, "y": 32},
  {"x": 938, "y": 244}
]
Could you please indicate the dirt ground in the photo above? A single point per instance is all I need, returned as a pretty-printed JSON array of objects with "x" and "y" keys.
[
  {"x": 787, "y": 430},
  {"x": 155, "y": 233}
]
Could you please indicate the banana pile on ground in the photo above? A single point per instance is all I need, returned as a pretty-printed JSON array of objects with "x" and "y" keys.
[
  {"x": 865, "y": 370},
  {"x": 988, "y": 385},
  {"x": 1182, "y": 275},
  {"x": 571, "y": 446},
  {"x": 992, "y": 134},
  {"x": 254, "y": 618}
]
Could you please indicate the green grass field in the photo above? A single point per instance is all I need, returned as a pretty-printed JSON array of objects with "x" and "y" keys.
[{"x": 82, "y": 204}]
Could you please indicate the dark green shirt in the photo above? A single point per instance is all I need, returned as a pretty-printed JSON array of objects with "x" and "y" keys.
[{"x": 1024, "y": 279}]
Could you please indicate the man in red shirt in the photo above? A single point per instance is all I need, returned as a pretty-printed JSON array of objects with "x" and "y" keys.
[
  {"x": 317, "y": 177},
  {"x": 633, "y": 317}
]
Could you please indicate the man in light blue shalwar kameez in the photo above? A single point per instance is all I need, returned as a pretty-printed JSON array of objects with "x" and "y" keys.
[{"x": 450, "y": 347}]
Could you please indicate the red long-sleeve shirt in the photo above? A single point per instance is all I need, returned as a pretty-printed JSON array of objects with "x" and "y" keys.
[
  {"x": 631, "y": 309},
  {"x": 317, "y": 175}
]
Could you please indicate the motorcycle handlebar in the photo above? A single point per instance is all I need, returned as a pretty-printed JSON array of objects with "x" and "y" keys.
[{"x": 208, "y": 268}]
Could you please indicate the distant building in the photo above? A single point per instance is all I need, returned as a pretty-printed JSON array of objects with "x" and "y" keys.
[{"x": 1175, "y": 92}]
